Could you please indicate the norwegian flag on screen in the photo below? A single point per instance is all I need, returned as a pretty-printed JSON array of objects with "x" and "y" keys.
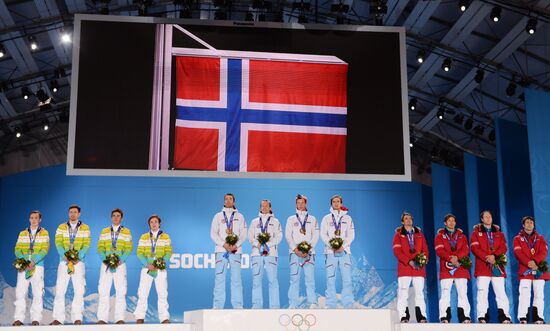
[{"x": 241, "y": 114}]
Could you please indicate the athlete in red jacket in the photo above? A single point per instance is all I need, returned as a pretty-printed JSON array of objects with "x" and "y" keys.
[
  {"x": 451, "y": 245},
  {"x": 408, "y": 242},
  {"x": 487, "y": 243},
  {"x": 530, "y": 249}
]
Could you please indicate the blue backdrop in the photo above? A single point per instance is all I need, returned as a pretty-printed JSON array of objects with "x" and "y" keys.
[{"x": 187, "y": 207}]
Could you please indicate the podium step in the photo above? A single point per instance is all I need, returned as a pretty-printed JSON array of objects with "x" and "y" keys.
[
  {"x": 291, "y": 319},
  {"x": 104, "y": 327}
]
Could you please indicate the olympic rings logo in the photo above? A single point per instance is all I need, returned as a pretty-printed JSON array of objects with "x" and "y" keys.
[{"x": 297, "y": 322}]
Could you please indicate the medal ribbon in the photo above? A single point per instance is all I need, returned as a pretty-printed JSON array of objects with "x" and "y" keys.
[
  {"x": 410, "y": 237},
  {"x": 339, "y": 225},
  {"x": 154, "y": 243},
  {"x": 303, "y": 225},
  {"x": 452, "y": 241},
  {"x": 531, "y": 246},
  {"x": 229, "y": 223},
  {"x": 114, "y": 236},
  {"x": 32, "y": 239},
  {"x": 72, "y": 235}
]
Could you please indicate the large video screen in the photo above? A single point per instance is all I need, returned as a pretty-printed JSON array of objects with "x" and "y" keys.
[{"x": 162, "y": 97}]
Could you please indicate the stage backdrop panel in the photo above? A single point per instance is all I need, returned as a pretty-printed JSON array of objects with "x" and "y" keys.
[
  {"x": 218, "y": 99},
  {"x": 538, "y": 121},
  {"x": 515, "y": 196},
  {"x": 187, "y": 207}
]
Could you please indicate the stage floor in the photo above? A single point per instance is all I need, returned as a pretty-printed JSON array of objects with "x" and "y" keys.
[{"x": 288, "y": 320}]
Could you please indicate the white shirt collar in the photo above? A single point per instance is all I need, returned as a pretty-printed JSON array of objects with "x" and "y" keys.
[
  {"x": 155, "y": 233},
  {"x": 115, "y": 227},
  {"x": 228, "y": 211},
  {"x": 73, "y": 225}
]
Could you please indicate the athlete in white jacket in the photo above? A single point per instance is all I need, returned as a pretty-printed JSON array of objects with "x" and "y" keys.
[
  {"x": 229, "y": 220},
  {"x": 301, "y": 227},
  {"x": 265, "y": 256},
  {"x": 338, "y": 224}
]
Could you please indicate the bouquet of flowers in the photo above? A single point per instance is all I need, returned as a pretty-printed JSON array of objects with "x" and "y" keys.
[
  {"x": 304, "y": 247},
  {"x": 21, "y": 264},
  {"x": 543, "y": 266},
  {"x": 336, "y": 243},
  {"x": 232, "y": 239},
  {"x": 111, "y": 261},
  {"x": 420, "y": 260},
  {"x": 465, "y": 262},
  {"x": 159, "y": 264},
  {"x": 72, "y": 256},
  {"x": 263, "y": 238},
  {"x": 500, "y": 262}
]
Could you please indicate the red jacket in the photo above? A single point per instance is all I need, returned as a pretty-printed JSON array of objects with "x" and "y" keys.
[
  {"x": 444, "y": 251},
  {"x": 402, "y": 252},
  {"x": 523, "y": 253},
  {"x": 479, "y": 244}
]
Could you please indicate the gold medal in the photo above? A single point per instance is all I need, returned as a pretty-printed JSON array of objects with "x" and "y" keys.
[
  {"x": 337, "y": 232},
  {"x": 303, "y": 231},
  {"x": 532, "y": 251},
  {"x": 228, "y": 231}
]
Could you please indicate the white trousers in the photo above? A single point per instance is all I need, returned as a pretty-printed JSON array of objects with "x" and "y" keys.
[
  {"x": 21, "y": 291},
  {"x": 403, "y": 294},
  {"x": 446, "y": 285},
  {"x": 161, "y": 285},
  {"x": 483, "y": 295},
  {"x": 106, "y": 279},
  {"x": 78, "y": 278},
  {"x": 525, "y": 296}
]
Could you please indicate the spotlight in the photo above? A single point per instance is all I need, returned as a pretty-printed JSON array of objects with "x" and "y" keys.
[
  {"x": 25, "y": 92},
  {"x": 420, "y": 56},
  {"x": 45, "y": 125},
  {"x": 511, "y": 89},
  {"x": 492, "y": 135},
  {"x": 411, "y": 142},
  {"x": 446, "y": 66},
  {"x": 479, "y": 130},
  {"x": 412, "y": 103},
  {"x": 479, "y": 76},
  {"x": 33, "y": 44},
  {"x": 18, "y": 134},
  {"x": 495, "y": 14},
  {"x": 2, "y": 51},
  {"x": 42, "y": 96},
  {"x": 65, "y": 36},
  {"x": 54, "y": 86},
  {"x": 531, "y": 26},
  {"x": 469, "y": 124},
  {"x": 463, "y": 5},
  {"x": 440, "y": 113}
]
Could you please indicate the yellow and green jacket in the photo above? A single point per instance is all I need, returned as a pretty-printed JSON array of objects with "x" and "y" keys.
[
  {"x": 41, "y": 246},
  {"x": 81, "y": 242},
  {"x": 123, "y": 243},
  {"x": 163, "y": 249}
]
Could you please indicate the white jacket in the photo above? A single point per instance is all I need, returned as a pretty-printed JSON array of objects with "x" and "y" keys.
[
  {"x": 293, "y": 234},
  {"x": 219, "y": 227},
  {"x": 347, "y": 230},
  {"x": 273, "y": 228}
]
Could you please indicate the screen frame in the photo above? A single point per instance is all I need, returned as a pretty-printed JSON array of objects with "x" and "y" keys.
[{"x": 72, "y": 171}]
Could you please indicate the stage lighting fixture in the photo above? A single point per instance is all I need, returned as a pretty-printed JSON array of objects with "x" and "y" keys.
[
  {"x": 54, "y": 86},
  {"x": 440, "y": 113},
  {"x": 469, "y": 124},
  {"x": 420, "y": 56},
  {"x": 458, "y": 119},
  {"x": 25, "y": 93},
  {"x": 531, "y": 26},
  {"x": 479, "y": 76},
  {"x": 492, "y": 135},
  {"x": 463, "y": 5},
  {"x": 411, "y": 142},
  {"x": 412, "y": 103},
  {"x": 33, "y": 43},
  {"x": 479, "y": 130},
  {"x": 446, "y": 66},
  {"x": 45, "y": 125},
  {"x": 495, "y": 13},
  {"x": 511, "y": 89},
  {"x": 42, "y": 96},
  {"x": 65, "y": 36},
  {"x": 2, "y": 51}
]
